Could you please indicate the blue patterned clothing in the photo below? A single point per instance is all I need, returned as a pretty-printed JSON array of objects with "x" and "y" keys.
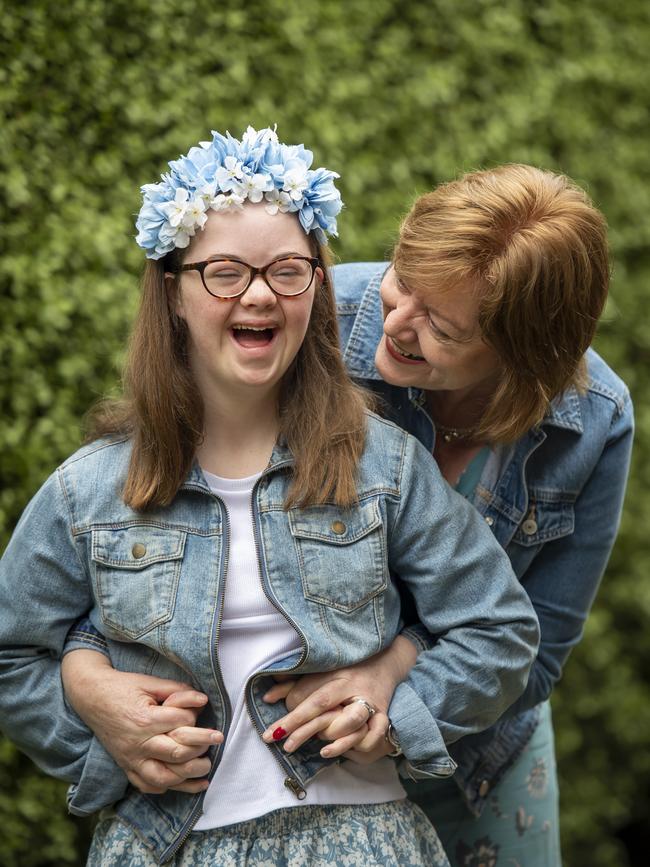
[
  {"x": 395, "y": 834},
  {"x": 520, "y": 824}
]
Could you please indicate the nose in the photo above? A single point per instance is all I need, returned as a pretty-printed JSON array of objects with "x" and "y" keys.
[
  {"x": 258, "y": 294},
  {"x": 399, "y": 315}
]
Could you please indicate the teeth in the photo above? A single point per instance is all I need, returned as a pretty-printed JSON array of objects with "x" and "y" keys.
[
  {"x": 407, "y": 354},
  {"x": 252, "y": 328}
]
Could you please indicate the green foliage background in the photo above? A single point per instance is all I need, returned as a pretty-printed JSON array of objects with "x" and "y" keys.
[{"x": 398, "y": 95}]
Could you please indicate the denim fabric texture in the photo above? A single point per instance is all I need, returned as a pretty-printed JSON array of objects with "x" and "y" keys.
[
  {"x": 153, "y": 584},
  {"x": 553, "y": 501}
]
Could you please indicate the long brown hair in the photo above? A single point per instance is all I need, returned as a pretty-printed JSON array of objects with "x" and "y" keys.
[
  {"x": 322, "y": 412},
  {"x": 535, "y": 248}
]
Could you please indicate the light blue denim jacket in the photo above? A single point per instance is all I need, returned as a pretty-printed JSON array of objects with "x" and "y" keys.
[
  {"x": 153, "y": 583},
  {"x": 553, "y": 501}
]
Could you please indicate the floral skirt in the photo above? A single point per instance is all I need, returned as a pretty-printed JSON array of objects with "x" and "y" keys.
[
  {"x": 394, "y": 834},
  {"x": 519, "y": 826}
]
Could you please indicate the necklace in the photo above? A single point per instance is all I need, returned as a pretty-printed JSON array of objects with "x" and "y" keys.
[{"x": 455, "y": 434}]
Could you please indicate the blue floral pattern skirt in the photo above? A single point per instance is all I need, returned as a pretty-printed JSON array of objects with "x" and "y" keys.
[
  {"x": 519, "y": 826},
  {"x": 394, "y": 834}
]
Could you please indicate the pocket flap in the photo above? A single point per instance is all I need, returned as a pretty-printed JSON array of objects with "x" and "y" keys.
[
  {"x": 138, "y": 546},
  {"x": 333, "y": 524}
]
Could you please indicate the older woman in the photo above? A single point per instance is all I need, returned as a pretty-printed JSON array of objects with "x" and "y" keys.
[{"x": 476, "y": 337}]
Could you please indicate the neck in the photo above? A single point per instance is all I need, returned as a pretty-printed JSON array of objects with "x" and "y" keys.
[
  {"x": 460, "y": 408},
  {"x": 239, "y": 434}
]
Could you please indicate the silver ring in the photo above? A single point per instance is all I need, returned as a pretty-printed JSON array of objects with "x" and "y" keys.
[{"x": 370, "y": 708}]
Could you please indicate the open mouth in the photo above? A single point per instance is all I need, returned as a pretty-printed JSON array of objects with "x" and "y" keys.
[
  {"x": 251, "y": 337},
  {"x": 401, "y": 354}
]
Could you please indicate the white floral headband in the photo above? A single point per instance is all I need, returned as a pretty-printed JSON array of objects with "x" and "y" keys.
[{"x": 221, "y": 174}]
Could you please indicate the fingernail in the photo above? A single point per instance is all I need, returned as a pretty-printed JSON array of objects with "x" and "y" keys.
[
  {"x": 279, "y": 733},
  {"x": 326, "y": 752},
  {"x": 216, "y": 738},
  {"x": 289, "y": 746}
]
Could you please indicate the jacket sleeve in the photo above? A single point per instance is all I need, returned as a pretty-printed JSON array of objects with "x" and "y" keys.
[
  {"x": 44, "y": 589},
  {"x": 563, "y": 579},
  {"x": 467, "y": 596}
]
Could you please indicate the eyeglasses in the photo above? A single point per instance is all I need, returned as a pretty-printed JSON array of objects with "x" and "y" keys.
[{"x": 230, "y": 278}]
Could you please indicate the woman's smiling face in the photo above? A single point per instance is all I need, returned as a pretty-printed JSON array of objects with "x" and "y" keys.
[
  {"x": 433, "y": 341},
  {"x": 248, "y": 342}
]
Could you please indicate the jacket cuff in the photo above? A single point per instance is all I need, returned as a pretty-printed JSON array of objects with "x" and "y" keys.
[
  {"x": 418, "y": 636},
  {"x": 102, "y": 782},
  {"x": 419, "y": 736},
  {"x": 84, "y": 636}
]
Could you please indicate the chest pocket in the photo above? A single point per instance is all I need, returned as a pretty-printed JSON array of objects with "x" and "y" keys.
[
  {"x": 136, "y": 576},
  {"x": 550, "y": 516},
  {"x": 342, "y": 554}
]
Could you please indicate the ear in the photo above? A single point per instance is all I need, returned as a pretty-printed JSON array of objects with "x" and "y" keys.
[
  {"x": 174, "y": 296},
  {"x": 320, "y": 276}
]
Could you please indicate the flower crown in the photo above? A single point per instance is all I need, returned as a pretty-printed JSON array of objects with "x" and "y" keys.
[{"x": 221, "y": 174}]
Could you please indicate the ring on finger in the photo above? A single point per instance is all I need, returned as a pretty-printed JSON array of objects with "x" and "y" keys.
[{"x": 372, "y": 710}]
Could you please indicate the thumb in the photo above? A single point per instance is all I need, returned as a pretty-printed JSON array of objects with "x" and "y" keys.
[{"x": 160, "y": 689}]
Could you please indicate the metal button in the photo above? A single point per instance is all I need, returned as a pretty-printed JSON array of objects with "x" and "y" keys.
[
  {"x": 339, "y": 528},
  {"x": 489, "y": 520},
  {"x": 529, "y": 526},
  {"x": 138, "y": 550},
  {"x": 484, "y": 788}
]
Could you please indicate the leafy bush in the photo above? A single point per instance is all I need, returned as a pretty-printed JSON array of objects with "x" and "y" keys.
[{"x": 398, "y": 95}]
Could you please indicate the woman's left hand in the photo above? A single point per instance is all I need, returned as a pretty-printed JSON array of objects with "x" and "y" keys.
[{"x": 324, "y": 705}]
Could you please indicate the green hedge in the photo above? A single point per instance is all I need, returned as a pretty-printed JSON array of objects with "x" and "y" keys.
[{"x": 398, "y": 95}]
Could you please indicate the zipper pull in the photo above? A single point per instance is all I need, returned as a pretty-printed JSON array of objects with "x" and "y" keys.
[{"x": 296, "y": 788}]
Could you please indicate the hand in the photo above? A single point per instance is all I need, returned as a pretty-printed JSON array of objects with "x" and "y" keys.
[
  {"x": 157, "y": 745},
  {"x": 320, "y": 704}
]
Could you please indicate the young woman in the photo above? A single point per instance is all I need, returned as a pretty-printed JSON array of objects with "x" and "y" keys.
[
  {"x": 242, "y": 515},
  {"x": 476, "y": 337}
]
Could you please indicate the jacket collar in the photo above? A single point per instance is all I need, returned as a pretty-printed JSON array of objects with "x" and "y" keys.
[
  {"x": 280, "y": 457},
  {"x": 359, "y": 353}
]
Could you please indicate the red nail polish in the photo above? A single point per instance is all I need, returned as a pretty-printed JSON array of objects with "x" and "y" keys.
[{"x": 279, "y": 733}]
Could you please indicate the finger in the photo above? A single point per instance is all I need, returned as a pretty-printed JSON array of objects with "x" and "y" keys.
[
  {"x": 189, "y": 744},
  {"x": 142, "y": 786},
  {"x": 161, "y": 688},
  {"x": 160, "y": 776},
  {"x": 159, "y": 719},
  {"x": 193, "y": 787},
  {"x": 188, "y": 698},
  {"x": 309, "y": 730},
  {"x": 376, "y": 736},
  {"x": 342, "y": 745},
  {"x": 319, "y": 702},
  {"x": 194, "y": 736},
  {"x": 278, "y": 691},
  {"x": 351, "y": 717}
]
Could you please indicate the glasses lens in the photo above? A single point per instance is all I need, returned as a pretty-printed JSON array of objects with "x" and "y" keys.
[
  {"x": 224, "y": 278},
  {"x": 289, "y": 276}
]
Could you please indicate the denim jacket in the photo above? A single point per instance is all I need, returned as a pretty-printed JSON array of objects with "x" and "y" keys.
[
  {"x": 153, "y": 583},
  {"x": 553, "y": 501}
]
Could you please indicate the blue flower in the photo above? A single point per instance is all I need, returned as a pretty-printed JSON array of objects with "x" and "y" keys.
[{"x": 221, "y": 174}]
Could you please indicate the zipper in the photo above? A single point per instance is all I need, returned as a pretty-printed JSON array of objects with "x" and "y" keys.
[
  {"x": 193, "y": 818},
  {"x": 291, "y": 782}
]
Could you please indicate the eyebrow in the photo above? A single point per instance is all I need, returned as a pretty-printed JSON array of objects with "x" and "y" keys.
[
  {"x": 238, "y": 258},
  {"x": 464, "y": 334}
]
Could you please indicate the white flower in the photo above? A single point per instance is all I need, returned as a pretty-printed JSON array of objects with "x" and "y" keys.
[
  {"x": 254, "y": 186},
  {"x": 175, "y": 210},
  {"x": 195, "y": 215},
  {"x": 277, "y": 201},
  {"x": 227, "y": 203},
  {"x": 207, "y": 192},
  {"x": 295, "y": 182},
  {"x": 229, "y": 173}
]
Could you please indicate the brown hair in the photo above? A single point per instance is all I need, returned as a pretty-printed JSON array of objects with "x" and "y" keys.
[
  {"x": 535, "y": 247},
  {"x": 322, "y": 412}
]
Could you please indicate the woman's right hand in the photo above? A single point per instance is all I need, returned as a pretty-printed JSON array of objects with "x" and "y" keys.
[{"x": 146, "y": 723}]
